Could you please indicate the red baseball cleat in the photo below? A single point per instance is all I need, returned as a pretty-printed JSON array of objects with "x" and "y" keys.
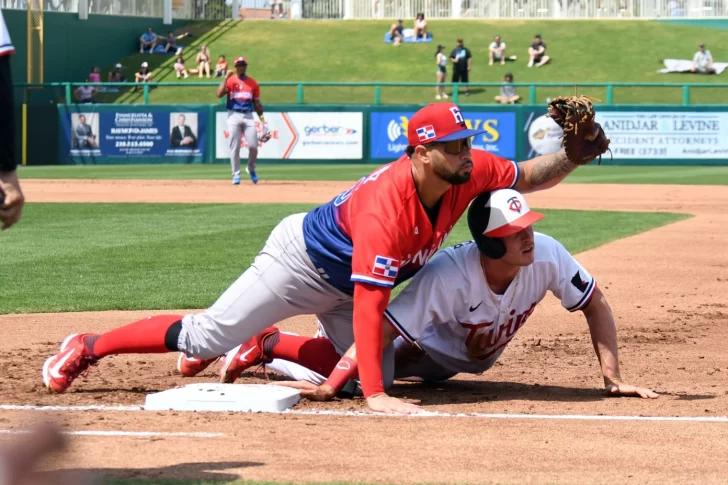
[
  {"x": 74, "y": 359},
  {"x": 245, "y": 356},
  {"x": 191, "y": 366}
]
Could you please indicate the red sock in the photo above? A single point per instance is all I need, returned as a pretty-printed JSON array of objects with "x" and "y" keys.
[
  {"x": 316, "y": 354},
  {"x": 141, "y": 337}
]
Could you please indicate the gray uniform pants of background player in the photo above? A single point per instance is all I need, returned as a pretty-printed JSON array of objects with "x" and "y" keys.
[
  {"x": 282, "y": 282},
  {"x": 242, "y": 123}
]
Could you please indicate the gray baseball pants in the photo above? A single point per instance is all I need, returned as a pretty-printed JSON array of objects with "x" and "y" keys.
[
  {"x": 281, "y": 283},
  {"x": 242, "y": 124}
]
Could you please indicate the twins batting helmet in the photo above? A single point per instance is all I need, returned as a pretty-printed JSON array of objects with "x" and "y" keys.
[{"x": 495, "y": 215}]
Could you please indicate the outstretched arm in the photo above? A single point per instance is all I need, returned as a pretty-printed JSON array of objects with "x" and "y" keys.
[
  {"x": 544, "y": 172},
  {"x": 604, "y": 338}
]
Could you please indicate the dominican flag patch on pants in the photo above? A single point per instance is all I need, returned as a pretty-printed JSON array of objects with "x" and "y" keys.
[{"x": 386, "y": 267}]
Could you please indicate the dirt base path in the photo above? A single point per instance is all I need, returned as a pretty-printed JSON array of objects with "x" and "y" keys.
[{"x": 667, "y": 288}]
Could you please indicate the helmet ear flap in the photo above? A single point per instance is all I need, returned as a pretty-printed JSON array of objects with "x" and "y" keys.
[
  {"x": 478, "y": 216},
  {"x": 492, "y": 247}
]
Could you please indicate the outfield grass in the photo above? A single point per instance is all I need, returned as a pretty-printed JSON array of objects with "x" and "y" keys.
[
  {"x": 603, "y": 174},
  {"x": 82, "y": 257},
  {"x": 354, "y": 51}
]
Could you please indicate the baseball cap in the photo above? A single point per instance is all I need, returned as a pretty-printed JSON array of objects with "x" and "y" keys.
[
  {"x": 240, "y": 60},
  {"x": 438, "y": 122},
  {"x": 501, "y": 214}
]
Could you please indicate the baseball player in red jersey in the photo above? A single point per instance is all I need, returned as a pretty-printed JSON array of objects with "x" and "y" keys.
[
  {"x": 460, "y": 312},
  {"x": 243, "y": 97},
  {"x": 339, "y": 262}
]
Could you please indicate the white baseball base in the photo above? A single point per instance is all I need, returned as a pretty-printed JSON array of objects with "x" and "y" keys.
[{"x": 224, "y": 397}]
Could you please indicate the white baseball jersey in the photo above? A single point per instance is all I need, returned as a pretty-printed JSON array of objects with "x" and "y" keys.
[
  {"x": 6, "y": 45},
  {"x": 448, "y": 310}
]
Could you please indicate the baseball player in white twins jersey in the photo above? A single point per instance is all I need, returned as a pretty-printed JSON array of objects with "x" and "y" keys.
[{"x": 462, "y": 309}]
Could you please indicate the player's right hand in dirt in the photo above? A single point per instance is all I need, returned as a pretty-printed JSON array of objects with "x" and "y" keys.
[
  {"x": 616, "y": 388},
  {"x": 382, "y": 403}
]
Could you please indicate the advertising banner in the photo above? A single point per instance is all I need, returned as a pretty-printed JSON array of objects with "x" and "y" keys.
[
  {"x": 300, "y": 136},
  {"x": 132, "y": 132},
  {"x": 541, "y": 135},
  {"x": 388, "y": 135},
  {"x": 666, "y": 134}
]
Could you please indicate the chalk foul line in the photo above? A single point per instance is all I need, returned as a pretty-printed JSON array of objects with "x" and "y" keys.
[
  {"x": 430, "y": 414},
  {"x": 133, "y": 434}
]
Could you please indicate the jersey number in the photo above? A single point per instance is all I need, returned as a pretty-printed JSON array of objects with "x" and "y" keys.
[{"x": 344, "y": 196}]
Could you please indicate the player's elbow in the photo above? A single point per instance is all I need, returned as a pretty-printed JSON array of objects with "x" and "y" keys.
[{"x": 597, "y": 304}]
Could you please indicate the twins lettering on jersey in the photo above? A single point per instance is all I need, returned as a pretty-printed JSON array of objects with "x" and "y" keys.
[{"x": 483, "y": 344}]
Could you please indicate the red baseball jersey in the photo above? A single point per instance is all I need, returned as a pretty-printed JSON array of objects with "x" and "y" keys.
[
  {"x": 241, "y": 93},
  {"x": 378, "y": 231}
]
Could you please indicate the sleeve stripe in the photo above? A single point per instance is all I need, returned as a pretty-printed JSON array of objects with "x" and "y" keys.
[
  {"x": 517, "y": 175},
  {"x": 369, "y": 279},
  {"x": 399, "y": 327},
  {"x": 586, "y": 298}
]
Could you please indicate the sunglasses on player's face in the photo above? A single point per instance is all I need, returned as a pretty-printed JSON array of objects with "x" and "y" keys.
[{"x": 454, "y": 147}]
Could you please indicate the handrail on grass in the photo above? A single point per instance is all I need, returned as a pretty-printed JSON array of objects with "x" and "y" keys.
[{"x": 379, "y": 85}]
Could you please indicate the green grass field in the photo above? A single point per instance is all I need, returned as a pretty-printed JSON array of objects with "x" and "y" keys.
[
  {"x": 82, "y": 257},
  {"x": 354, "y": 52},
  {"x": 603, "y": 174}
]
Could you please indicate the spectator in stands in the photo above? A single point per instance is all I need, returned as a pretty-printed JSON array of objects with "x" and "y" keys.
[
  {"x": 508, "y": 94},
  {"x": 497, "y": 51},
  {"x": 171, "y": 45},
  {"x": 463, "y": 62},
  {"x": 85, "y": 94},
  {"x": 396, "y": 34},
  {"x": 221, "y": 67},
  {"x": 273, "y": 4},
  {"x": 144, "y": 74},
  {"x": 95, "y": 75},
  {"x": 179, "y": 68},
  {"x": 441, "y": 61},
  {"x": 148, "y": 40},
  {"x": 537, "y": 53},
  {"x": 117, "y": 75},
  {"x": 703, "y": 61},
  {"x": 203, "y": 61},
  {"x": 420, "y": 27}
]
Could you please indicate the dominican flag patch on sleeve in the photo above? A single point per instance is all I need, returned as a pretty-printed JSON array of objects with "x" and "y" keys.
[
  {"x": 426, "y": 133},
  {"x": 386, "y": 267}
]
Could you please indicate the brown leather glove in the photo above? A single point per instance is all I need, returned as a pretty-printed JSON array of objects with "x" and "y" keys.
[{"x": 584, "y": 139}]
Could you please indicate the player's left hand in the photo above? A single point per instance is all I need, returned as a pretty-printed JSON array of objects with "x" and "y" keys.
[
  {"x": 616, "y": 388},
  {"x": 310, "y": 391}
]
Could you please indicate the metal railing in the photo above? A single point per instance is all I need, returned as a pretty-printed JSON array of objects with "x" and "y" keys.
[
  {"x": 404, "y": 9},
  {"x": 686, "y": 88}
]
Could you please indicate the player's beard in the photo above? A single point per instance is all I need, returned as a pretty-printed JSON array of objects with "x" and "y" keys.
[{"x": 451, "y": 177}]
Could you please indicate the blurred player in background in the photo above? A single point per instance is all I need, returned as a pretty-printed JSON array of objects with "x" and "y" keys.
[
  {"x": 11, "y": 194},
  {"x": 243, "y": 97}
]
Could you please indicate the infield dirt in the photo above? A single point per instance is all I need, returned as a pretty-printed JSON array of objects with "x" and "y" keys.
[{"x": 667, "y": 288}]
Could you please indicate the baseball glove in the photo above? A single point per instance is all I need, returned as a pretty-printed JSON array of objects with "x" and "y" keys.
[{"x": 584, "y": 139}]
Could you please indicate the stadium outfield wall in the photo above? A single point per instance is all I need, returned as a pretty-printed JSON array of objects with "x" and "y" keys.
[{"x": 145, "y": 134}]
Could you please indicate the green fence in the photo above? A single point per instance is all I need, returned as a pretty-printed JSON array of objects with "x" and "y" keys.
[{"x": 684, "y": 94}]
